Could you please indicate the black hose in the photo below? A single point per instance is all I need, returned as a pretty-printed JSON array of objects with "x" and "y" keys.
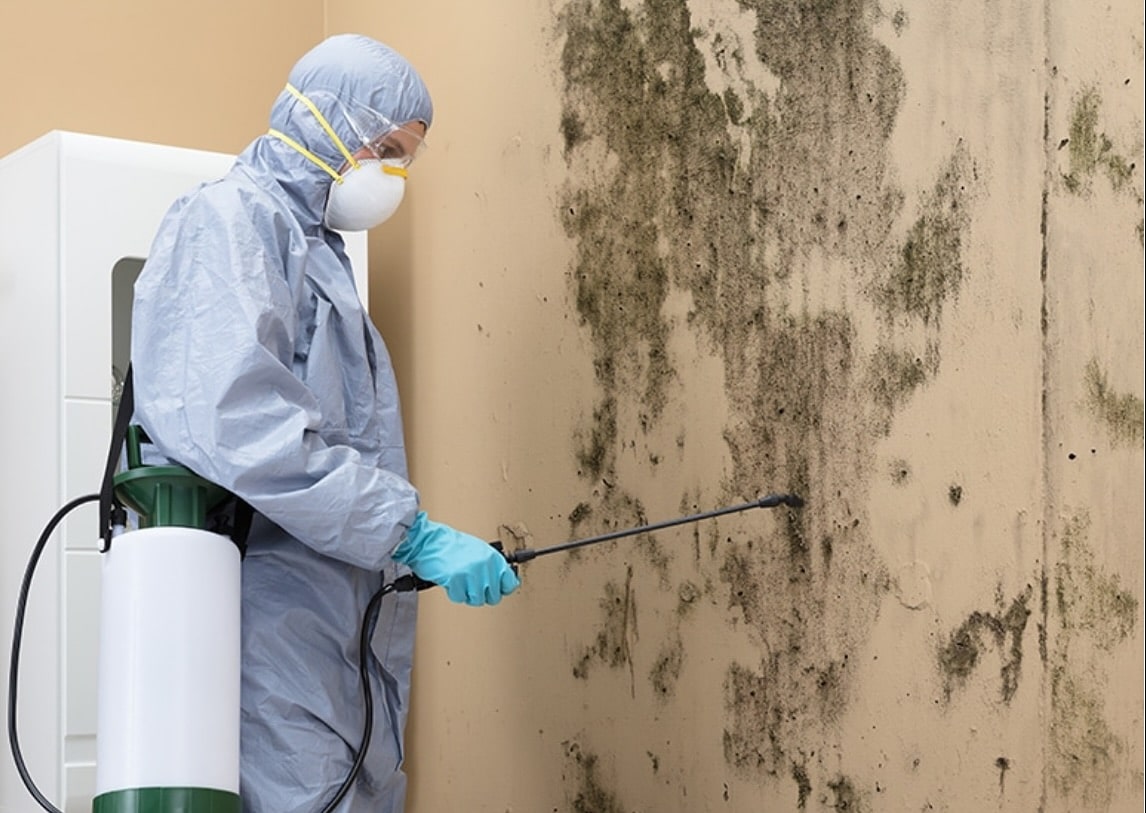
[
  {"x": 369, "y": 618},
  {"x": 17, "y": 638}
]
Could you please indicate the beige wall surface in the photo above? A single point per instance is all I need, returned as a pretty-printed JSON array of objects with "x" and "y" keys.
[
  {"x": 200, "y": 75},
  {"x": 663, "y": 256}
]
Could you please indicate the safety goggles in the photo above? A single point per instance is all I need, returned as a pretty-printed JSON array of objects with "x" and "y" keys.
[
  {"x": 396, "y": 146},
  {"x": 400, "y": 145},
  {"x": 385, "y": 139}
]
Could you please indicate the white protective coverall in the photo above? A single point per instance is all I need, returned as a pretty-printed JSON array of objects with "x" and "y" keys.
[{"x": 256, "y": 366}]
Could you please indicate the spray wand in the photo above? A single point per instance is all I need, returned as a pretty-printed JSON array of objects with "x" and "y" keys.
[{"x": 411, "y": 582}]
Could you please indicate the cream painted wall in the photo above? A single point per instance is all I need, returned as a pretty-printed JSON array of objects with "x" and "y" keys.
[
  {"x": 200, "y": 75},
  {"x": 969, "y": 592}
]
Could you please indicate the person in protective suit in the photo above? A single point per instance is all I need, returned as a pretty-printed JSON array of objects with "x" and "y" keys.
[{"x": 256, "y": 366}]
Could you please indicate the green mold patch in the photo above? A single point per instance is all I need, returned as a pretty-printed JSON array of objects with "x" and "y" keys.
[
  {"x": 930, "y": 266},
  {"x": 1092, "y": 150},
  {"x": 1089, "y": 600},
  {"x": 892, "y": 376},
  {"x": 1120, "y": 413},
  {"x": 727, "y": 170},
  {"x": 959, "y": 657},
  {"x": 747, "y": 693},
  {"x": 584, "y": 772},
  {"x": 1085, "y": 756},
  {"x": 595, "y": 446}
]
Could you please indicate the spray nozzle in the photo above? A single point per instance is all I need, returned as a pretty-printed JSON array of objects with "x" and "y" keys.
[{"x": 773, "y": 500}]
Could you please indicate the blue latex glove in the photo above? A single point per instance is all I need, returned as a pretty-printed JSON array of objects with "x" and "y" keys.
[{"x": 472, "y": 571}]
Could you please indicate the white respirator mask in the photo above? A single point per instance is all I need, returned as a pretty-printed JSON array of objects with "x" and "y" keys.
[
  {"x": 366, "y": 195},
  {"x": 366, "y": 191}
]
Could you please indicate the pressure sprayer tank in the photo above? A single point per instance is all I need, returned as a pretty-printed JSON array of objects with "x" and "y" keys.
[{"x": 169, "y": 650}]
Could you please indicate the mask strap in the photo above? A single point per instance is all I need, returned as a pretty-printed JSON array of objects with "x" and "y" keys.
[
  {"x": 310, "y": 156},
  {"x": 350, "y": 159}
]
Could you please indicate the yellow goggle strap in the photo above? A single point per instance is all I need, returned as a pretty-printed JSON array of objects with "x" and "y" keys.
[{"x": 401, "y": 172}]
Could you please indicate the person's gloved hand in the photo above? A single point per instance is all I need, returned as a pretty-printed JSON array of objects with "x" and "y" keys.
[{"x": 472, "y": 571}]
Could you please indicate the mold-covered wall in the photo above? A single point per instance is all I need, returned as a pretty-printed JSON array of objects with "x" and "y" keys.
[{"x": 669, "y": 255}]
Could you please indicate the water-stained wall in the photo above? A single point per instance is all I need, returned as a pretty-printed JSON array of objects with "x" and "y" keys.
[{"x": 669, "y": 255}]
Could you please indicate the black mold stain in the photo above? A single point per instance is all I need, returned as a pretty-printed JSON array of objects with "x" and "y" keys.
[
  {"x": 803, "y": 785},
  {"x": 959, "y": 657},
  {"x": 595, "y": 455},
  {"x": 1044, "y": 614},
  {"x": 1091, "y": 150},
  {"x": 899, "y": 20},
  {"x": 581, "y": 667},
  {"x": 899, "y": 471},
  {"x": 725, "y": 193},
  {"x": 1120, "y": 413},
  {"x": 744, "y": 745},
  {"x": 666, "y": 670},
  {"x": 846, "y": 797},
  {"x": 893, "y": 375},
  {"x": 617, "y": 511},
  {"x": 654, "y": 760},
  {"x": 1004, "y": 765},
  {"x": 591, "y": 795},
  {"x": 826, "y": 548},
  {"x": 573, "y": 131},
  {"x": 955, "y": 494},
  {"x": 619, "y": 626},
  {"x": 579, "y": 514}
]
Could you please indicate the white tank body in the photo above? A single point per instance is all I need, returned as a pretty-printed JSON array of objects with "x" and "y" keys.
[{"x": 169, "y": 662}]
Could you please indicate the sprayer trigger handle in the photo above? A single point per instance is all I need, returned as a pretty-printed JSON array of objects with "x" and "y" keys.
[
  {"x": 500, "y": 548},
  {"x": 409, "y": 583}
]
